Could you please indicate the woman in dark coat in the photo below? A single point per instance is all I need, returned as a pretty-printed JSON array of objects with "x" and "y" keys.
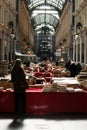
[
  {"x": 72, "y": 69},
  {"x": 67, "y": 65},
  {"x": 18, "y": 78}
]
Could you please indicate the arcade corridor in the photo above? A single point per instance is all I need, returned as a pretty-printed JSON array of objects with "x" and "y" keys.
[{"x": 37, "y": 30}]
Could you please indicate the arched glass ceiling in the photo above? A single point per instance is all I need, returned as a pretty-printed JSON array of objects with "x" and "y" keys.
[
  {"x": 45, "y": 13},
  {"x": 55, "y": 3},
  {"x": 44, "y": 19}
]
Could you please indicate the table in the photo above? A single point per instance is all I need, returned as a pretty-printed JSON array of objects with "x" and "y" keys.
[
  {"x": 39, "y": 103},
  {"x": 6, "y": 101}
]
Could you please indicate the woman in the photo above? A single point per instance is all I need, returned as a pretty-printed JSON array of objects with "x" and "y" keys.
[{"x": 18, "y": 78}]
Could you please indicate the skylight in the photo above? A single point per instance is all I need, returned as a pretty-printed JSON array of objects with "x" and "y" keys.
[{"x": 45, "y": 13}]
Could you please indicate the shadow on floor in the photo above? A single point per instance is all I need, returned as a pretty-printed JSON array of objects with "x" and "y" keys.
[
  {"x": 55, "y": 116},
  {"x": 16, "y": 123}
]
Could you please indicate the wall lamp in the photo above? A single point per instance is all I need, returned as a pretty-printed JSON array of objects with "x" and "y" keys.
[{"x": 78, "y": 27}]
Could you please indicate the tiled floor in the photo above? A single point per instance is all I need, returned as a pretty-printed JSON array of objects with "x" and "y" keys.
[{"x": 51, "y": 122}]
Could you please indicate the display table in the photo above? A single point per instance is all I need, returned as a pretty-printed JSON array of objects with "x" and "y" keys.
[{"x": 38, "y": 102}]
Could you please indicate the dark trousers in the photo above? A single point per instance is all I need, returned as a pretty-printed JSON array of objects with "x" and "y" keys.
[{"x": 20, "y": 102}]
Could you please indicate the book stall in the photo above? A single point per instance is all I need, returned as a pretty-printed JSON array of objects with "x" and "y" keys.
[{"x": 58, "y": 94}]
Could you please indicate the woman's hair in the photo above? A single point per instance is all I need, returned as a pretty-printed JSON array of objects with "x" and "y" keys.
[{"x": 18, "y": 62}]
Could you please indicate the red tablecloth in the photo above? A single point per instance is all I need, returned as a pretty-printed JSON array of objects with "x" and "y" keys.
[
  {"x": 6, "y": 101},
  {"x": 38, "y": 102}
]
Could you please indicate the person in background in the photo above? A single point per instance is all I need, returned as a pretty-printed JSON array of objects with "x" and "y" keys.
[
  {"x": 18, "y": 78},
  {"x": 72, "y": 69},
  {"x": 78, "y": 68},
  {"x": 67, "y": 65},
  {"x": 57, "y": 63}
]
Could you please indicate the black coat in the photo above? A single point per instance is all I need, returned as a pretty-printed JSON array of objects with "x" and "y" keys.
[
  {"x": 18, "y": 78},
  {"x": 72, "y": 69}
]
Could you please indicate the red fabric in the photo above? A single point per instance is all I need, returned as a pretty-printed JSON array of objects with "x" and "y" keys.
[
  {"x": 38, "y": 102},
  {"x": 38, "y": 74},
  {"x": 50, "y": 102},
  {"x": 6, "y": 101},
  {"x": 34, "y": 90}
]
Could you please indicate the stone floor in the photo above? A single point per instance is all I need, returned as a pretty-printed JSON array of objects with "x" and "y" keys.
[{"x": 50, "y": 122}]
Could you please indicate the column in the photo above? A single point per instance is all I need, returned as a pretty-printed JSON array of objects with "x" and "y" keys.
[
  {"x": 74, "y": 50},
  {"x": 80, "y": 49},
  {"x": 11, "y": 46},
  {"x": 2, "y": 46},
  {"x": 85, "y": 48},
  {"x": 8, "y": 47}
]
